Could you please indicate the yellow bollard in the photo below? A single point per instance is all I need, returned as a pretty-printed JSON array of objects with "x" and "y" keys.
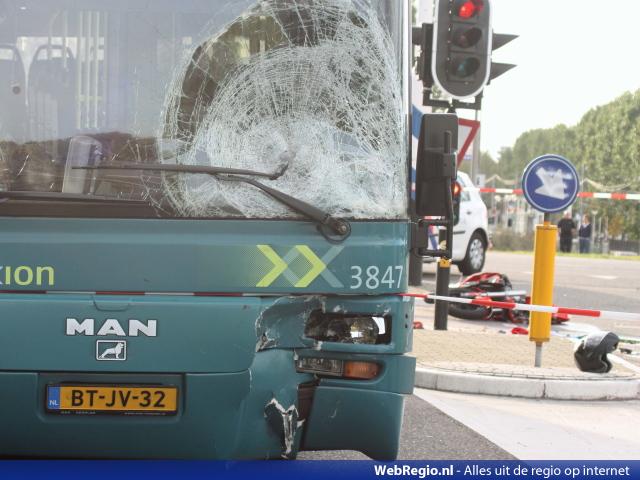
[{"x": 542, "y": 288}]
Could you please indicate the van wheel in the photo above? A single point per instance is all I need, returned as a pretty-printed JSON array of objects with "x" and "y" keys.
[{"x": 476, "y": 254}]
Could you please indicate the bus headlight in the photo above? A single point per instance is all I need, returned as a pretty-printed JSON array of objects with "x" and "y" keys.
[{"x": 341, "y": 328}]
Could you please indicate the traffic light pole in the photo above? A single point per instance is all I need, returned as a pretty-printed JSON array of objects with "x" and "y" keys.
[
  {"x": 441, "y": 320},
  {"x": 455, "y": 57},
  {"x": 443, "y": 275}
]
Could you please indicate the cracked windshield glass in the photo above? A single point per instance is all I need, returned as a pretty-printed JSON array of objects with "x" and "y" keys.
[{"x": 309, "y": 87}]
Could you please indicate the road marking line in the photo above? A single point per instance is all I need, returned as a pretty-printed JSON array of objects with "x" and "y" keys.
[{"x": 622, "y": 361}]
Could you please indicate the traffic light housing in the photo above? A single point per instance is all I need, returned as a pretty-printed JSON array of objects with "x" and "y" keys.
[
  {"x": 455, "y": 53},
  {"x": 462, "y": 44}
]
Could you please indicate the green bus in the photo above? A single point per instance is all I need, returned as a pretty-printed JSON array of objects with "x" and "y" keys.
[{"x": 204, "y": 227}]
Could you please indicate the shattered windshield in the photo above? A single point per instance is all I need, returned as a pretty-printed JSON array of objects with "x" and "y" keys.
[{"x": 311, "y": 85}]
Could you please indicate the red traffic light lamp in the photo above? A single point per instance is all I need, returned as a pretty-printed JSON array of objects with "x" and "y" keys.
[{"x": 468, "y": 8}]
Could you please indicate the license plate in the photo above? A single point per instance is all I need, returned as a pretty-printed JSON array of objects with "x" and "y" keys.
[{"x": 112, "y": 399}]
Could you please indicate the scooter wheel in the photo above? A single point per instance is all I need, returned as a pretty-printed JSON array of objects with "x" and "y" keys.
[{"x": 469, "y": 312}]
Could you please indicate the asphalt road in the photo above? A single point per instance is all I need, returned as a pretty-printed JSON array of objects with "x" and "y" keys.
[
  {"x": 429, "y": 434},
  {"x": 589, "y": 283}
]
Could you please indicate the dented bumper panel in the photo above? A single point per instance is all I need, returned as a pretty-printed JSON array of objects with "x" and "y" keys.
[{"x": 255, "y": 414}]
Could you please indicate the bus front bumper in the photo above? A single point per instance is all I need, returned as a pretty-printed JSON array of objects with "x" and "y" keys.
[{"x": 267, "y": 411}]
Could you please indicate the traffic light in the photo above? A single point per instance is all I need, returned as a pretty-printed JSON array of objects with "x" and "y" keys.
[
  {"x": 455, "y": 53},
  {"x": 461, "y": 60}
]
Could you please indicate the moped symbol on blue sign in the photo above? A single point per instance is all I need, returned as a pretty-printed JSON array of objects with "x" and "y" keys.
[{"x": 550, "y": 183}]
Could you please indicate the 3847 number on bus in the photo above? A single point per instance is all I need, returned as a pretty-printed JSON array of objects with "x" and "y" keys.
[{"x": 373, "y": 277}]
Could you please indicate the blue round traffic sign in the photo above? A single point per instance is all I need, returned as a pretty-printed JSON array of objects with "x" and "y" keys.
[{"x": 550, "y": 183}]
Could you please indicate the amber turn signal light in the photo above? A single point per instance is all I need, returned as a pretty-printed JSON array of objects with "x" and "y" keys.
[{"x": 361, "y": 370}]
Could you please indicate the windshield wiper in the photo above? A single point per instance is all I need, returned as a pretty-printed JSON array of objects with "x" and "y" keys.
[
  {"x": 333, "y": 229},
  {"x": 66, "y": 197},
  {"x": 186, "y": 169},
  {"x": 340, "y": 227}
]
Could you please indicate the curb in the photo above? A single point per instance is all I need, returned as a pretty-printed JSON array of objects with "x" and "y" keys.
[{"x": 435, "y": 379}]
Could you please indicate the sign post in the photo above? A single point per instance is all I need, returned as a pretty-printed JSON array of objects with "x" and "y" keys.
[{"x": 550, "y": 184}]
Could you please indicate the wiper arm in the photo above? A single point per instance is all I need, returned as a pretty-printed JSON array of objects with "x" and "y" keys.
[
  {"x": 185, "y": 169},
  {"x": 66, "y": 197},
  {"x": 339, "y": 229}
]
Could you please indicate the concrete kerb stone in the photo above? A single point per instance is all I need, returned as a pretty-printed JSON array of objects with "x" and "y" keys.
[
  {"x": 586, "y": 390},
  {"x": 435, "y": 379}
]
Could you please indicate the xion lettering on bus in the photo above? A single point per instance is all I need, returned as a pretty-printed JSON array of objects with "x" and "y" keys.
[{"x": 24, "y": 275}]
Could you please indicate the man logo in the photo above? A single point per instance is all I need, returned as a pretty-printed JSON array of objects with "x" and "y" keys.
[
  {"x": 111, "y": 326},
  {"x": 111, "y": 351}
]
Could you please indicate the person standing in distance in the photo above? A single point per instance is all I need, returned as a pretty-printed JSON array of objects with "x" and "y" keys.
[
  {"x": 567, "y": 228},
  {"x": 584, "y": 235}
]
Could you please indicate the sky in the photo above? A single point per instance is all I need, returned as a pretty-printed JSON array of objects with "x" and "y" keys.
[{"x": 571, "y": 56}]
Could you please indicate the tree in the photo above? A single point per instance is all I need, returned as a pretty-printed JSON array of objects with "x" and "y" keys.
[
  {"x": 605, "y": 145},
  {"x": 488, "y": 165}
]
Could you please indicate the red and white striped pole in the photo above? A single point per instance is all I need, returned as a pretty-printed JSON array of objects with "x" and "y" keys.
[
  {"x": 597, "y": 195},
  {"x": 485, "y": 302}
]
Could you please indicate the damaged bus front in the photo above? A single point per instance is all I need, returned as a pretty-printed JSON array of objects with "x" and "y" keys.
[{"x": 203, "y": 227}]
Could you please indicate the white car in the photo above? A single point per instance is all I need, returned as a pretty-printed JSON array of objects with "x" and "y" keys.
[{"x": 470, "y": 237}]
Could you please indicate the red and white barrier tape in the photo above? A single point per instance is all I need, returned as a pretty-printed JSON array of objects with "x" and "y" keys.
[
  {"x": 530, "y": 308},
  {"x": 604, "y": 196},
  {"x": 510, "y": 293}
]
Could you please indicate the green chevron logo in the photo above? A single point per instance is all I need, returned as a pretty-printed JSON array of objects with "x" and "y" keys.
[
  {"x": 279, "y": 266},
  {"x": 300, "y": 266}
]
